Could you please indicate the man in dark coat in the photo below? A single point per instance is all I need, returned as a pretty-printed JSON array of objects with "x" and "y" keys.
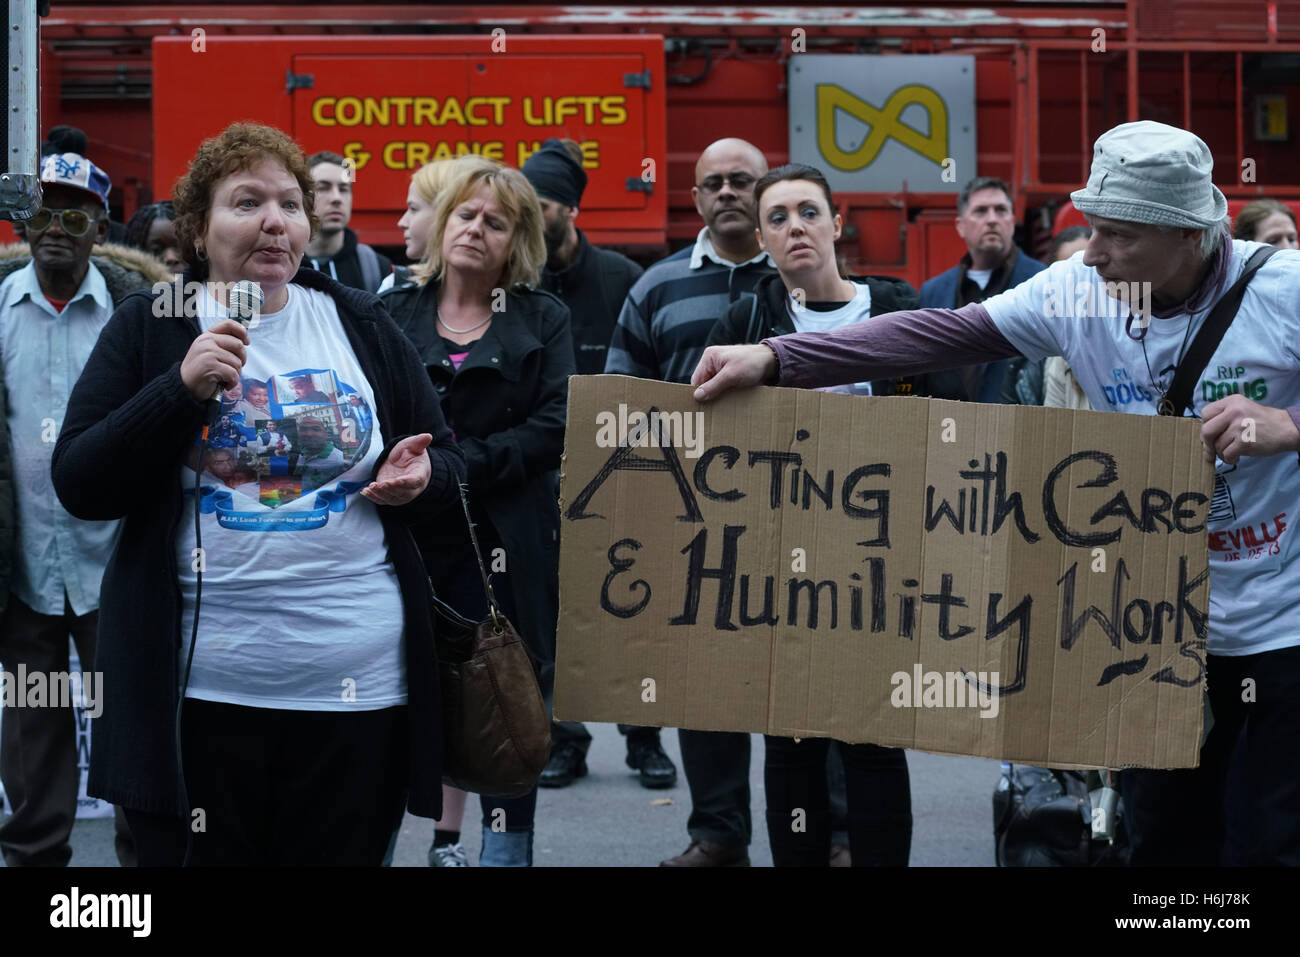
[
  {"x": 334, "y": 249},
  {"x": 986, "y": 221},
  {"x": 593, "y": 283}
]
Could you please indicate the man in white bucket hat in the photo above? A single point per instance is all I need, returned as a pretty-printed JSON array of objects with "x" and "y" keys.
[{"x": 1124, "y": 314}]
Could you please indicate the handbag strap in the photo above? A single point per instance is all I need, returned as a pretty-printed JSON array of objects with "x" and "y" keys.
[
  {"x": 478, "y": 555},
  {"x": 1179, "y": 396}
]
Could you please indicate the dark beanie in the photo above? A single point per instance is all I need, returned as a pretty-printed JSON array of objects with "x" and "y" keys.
[{"x": 554, "y": 174}]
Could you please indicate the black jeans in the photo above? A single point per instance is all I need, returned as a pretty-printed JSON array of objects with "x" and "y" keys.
[
  {"x": 283, "y": 788},
  {"x": 799, "y": 811},
  {"x": 1179, "y": 818}
]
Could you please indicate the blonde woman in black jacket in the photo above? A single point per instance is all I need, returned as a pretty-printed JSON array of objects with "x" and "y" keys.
[
  {"x": 798, "y": 226},
  {"x": 499, "y": 355}
]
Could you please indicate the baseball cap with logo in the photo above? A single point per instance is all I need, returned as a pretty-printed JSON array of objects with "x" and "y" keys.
[{"x": 74, "y": 170}]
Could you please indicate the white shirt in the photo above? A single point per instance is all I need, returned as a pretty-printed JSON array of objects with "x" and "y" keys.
[
  {"x": 857, "y": 309},
  {"x": 1253, "y": 517},
  {"x": 44, "y": 351},
  {"x": 703, "y": 249},
  {"x": 301, "y": 607}
]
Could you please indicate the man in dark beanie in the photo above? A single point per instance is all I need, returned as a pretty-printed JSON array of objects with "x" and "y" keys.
[{"x": 593, "y": 283}]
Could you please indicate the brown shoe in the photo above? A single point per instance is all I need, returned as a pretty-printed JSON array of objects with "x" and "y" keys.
[
  {"x": 840, "y": 856},
  {"x": 709, "y": 854}
]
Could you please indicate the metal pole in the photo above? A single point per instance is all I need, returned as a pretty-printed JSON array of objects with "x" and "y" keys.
[{"x": 20, "y": 188}]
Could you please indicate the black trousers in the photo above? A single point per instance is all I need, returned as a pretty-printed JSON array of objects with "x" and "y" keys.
[
  {"x": 280, "y": 788},
  {"x": 1179, "y": 817},
  {"x": 575, "y": 732},
  {"x": 799, "y": 819},
  {"x": 38, "y": 746},
  {"x": 717, "y": 770}
]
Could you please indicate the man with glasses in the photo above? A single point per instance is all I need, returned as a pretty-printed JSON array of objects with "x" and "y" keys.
[
  {"x": 52, "y": 309},
  {"x": 661, "y": 333}
]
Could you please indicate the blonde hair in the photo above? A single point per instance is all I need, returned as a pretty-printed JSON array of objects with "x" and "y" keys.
[
  {"x": 430, "y": 179},
  {"x": 514, "y": 194}
]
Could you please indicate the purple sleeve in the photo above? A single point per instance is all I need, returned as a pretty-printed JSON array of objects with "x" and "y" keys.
[{"x": 894, "y": 344}]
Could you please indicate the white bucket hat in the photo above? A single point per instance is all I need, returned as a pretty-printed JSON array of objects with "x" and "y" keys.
[{"x": 1148, "y": 172}]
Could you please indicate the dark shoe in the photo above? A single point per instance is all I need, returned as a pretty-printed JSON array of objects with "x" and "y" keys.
[
  {"x": 840, "y": 856},
  {"x": 568, "y": 763},
  {"x": 708, "y": 854},
  {"x": 657, "y": 769}
]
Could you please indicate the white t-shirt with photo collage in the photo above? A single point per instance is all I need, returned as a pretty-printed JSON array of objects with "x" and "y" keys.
[{"x": 301, "y": 608}]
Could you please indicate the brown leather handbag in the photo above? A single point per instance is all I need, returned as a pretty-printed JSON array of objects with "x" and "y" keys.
[{"x": 496, "y": 736}]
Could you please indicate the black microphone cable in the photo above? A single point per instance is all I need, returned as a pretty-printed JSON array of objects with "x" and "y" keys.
[{"x": 245, "y": 303}]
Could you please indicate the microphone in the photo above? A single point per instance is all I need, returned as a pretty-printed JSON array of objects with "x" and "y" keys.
[
  {"x": 246, "y": 300},
  {"x": 245, "y": 306}
]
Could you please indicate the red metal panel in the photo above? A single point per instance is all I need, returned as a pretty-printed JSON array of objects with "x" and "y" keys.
[{"x": 350, "y": 69}]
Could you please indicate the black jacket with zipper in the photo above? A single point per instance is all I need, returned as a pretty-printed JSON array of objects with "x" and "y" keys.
[
  {"x": 764, "y": 314},
  {"x": 129, "y": 424},
  {"x": 507, "y": 404}
]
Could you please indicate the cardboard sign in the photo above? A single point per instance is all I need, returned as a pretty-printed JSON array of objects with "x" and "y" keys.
[{"x": 1002, "y": 581}]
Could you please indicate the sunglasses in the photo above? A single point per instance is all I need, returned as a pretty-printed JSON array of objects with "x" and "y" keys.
[
  {"x": 74, "y": 222},
  {"x": 739, "y": 182}
]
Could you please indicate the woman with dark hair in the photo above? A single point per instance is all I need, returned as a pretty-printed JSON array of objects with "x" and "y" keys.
[
  {"x": 1060, "y": 388},
  {"x": 151, "y": 229},
  {"x": 288, "y": 615},
  {"x": 1067, "y": 242},
  {"x": 798, "y": 225},
  {"x": 500, "y": 355},
  {"x": 1266, "y": 221}
]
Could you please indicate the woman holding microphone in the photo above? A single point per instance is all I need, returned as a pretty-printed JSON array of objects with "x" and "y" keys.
[{"x": 289, "y": 617}]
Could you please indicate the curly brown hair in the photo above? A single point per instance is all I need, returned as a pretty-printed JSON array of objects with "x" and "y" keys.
[{"x": 239, "y": 147}]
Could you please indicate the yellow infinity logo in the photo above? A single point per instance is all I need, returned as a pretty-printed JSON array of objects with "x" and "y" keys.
[{"x": 884, "y": 123}]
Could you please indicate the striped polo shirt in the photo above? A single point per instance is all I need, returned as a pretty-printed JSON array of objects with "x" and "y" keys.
[{"x": 669, "y": 312}]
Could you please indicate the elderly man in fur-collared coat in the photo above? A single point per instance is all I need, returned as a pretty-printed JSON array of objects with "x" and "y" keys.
[{"x": 57, "y": 291}]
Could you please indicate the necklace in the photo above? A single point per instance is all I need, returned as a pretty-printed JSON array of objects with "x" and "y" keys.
[
  {"x": 461, "y": 332},
  {"x": 1164, "y": 406}
]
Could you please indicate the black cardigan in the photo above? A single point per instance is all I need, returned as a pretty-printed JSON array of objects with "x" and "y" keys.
[{"x": 130, "y": 408}]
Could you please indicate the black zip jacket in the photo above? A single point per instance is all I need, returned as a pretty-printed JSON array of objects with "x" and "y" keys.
[
  {"x": 764, "y": 314},
  {"x": 507, "y": 405},
  {"x": 129, "y": 423},
  {"x": 593, "y": 286}
]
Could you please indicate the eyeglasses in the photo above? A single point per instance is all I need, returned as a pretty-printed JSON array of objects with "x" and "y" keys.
[
  {"x": 74, "y": 222},
  {"x": 739, "y": 182}
]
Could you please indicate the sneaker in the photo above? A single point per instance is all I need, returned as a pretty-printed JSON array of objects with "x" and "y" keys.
[
  {"x": 567, "y": 764},
  {"x": 448, "y": 855},
  {"x": 657, "y": 769}
]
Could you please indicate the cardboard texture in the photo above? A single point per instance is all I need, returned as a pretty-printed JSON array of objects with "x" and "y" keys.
[{"x": 1010, "y": 582}]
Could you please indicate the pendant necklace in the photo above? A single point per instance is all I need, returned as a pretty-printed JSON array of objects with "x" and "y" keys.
[{"x": 1164, "y": 406}]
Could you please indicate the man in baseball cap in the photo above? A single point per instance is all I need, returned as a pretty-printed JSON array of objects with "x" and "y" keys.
[
  {"x": 52, "y": 309},
  {"x": 1157, "y": 218}
]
